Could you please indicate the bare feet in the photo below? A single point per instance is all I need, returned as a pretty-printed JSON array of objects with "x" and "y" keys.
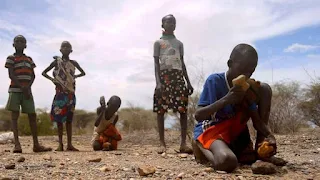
[
  {"x": 198, "y": 155},
  {"x": 162, "y": 149},
  {"x": 40, "y": 148},
  {"x": 17, "y": 148},
  {"x": 60, "y": 147},
  {"x": 71, "y": 148},
  {"x": 185, "y": 149}
]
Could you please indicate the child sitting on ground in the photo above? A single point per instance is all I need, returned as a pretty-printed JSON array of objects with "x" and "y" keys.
[{"x": 105, "y": 135}]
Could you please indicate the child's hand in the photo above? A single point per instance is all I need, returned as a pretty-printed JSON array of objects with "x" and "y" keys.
[
  {"x": 26, "y": 92},
  {"x": 272, "y": 142},
  {"x": 235, "y": 95},
  {"x": 54, "y": 81},
  {"x": 190, "y": 89},
  {"x": 102, "y": 101}
]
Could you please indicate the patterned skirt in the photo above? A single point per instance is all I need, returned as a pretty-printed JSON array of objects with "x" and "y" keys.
[
  {"x": 63, "y": 106},
  {"x": 174, "y": 95}
]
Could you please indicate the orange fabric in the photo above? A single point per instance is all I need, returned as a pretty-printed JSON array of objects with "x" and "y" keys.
[
  {"x": 110, "y": 135},
  {"x": 227, "y": 131}
]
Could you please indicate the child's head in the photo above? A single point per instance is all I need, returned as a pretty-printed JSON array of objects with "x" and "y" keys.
[
  {"x": 114, "y": 104},
  {"x": 66, "y": 48},
  {"x": 243, "y": 61},
  {"x": 19, "y": 43},
  {"x": 169, "y": 23}
]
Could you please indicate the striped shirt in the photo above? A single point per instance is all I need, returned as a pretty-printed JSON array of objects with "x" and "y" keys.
[{"x": 22, "y": 68}]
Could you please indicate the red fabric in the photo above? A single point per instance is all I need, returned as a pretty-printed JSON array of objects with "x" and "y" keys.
[
  {"x": 227, "y": 131},
  {"x": 110, "y": 135}
]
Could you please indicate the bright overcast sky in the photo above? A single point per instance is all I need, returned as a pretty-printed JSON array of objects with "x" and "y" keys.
[{"x": 113, "y": 41}]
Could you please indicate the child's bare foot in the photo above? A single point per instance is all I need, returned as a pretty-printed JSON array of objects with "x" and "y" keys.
[
  {"x": 71, "y": 148},
  {"x": 40, "y": 148},
  {"x": 60, "y": 147},
  {"x": 17, "y": 148},
  {"x": 162, "y": 149},
  {"x": 185, "y": 149}
]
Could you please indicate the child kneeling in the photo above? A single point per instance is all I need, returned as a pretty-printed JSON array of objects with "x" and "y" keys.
[{"x": 105, "y": 135}]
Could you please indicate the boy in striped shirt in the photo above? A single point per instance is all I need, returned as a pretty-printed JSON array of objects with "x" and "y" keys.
[{"x": 21, "y": 73}]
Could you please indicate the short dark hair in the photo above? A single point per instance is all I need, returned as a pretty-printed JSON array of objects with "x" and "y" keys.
[
  {"x": 19, "y": 36},
  {"x": 169, "y": 15},
  {"x": 243, "y": 50}
]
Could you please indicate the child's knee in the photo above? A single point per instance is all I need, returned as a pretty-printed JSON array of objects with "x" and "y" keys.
[
  {"x": 225, "y": 161},
  {"x": 96, "y": 146}
]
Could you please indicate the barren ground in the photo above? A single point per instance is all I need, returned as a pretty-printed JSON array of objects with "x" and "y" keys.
[{"x": 302, "y": 150}]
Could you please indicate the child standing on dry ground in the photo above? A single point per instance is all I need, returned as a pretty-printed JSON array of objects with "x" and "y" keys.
[
  {"x": 21, "y": 72},
  {"x": 64, "y": 101},
  {"x": 171, "y": 91}
]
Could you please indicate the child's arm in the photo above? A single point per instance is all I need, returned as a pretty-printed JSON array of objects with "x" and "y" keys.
[
  {"x": 100, "y": 111},
  {"x": 51, "y": 66},
  {"x": 33, "y": 74},
  {"x": 82, "y": 73},
  {"x": 184, "y": 69},
  {"x": 259, "y": 115},
  {"x": 156, "y": 55},
  {"x": 234, "y": 96},
  {"x": 10, "y": 64}
]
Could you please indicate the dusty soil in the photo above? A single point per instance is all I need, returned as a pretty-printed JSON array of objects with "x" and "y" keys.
[{"x": 301, "y": 150}]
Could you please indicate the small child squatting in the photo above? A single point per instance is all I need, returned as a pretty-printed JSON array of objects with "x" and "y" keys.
[
  {"x": 105, "y": 135},
  {"x": 221, "y": 135},
  {"x": 64, "y": 101},
  {"x": 21, "y": 73},
  {"x": 171, "y": 91}
]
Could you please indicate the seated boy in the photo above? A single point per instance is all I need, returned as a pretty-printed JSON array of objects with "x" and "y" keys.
[
  {"x": 222, "y": 134},
  {"x": 105, "y": 135}
]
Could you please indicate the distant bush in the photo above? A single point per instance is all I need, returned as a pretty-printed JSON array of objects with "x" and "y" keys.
[
  {"x": 135, "y": 118},
  {"x": 310, "y": 105},
  {"x": 285, "y": 115}
]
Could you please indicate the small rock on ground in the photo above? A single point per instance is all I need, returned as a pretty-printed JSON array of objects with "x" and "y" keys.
[
  {"x": 104, "y": 169},
  {"x": 10, "y": 166},
  {"x": 47, "y": 157},
  {"x": 183, "y": 155},
  {"x": 21, "y": 159},
  {"x": 146, "y": 170},
  {"x": 95, "y": 160},
  {"x": 263, "y": 168}
]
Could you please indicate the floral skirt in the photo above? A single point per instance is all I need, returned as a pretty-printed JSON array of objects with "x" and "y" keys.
[
  {"x": 63, "y": 106},
  {"x": 174, "y": 95}
]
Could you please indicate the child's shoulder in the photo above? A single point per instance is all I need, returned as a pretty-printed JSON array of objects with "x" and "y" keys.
[
  {"x": 216, "y": 76},
  {"x": 11, "y": 57},
  {"x": 74, "y": 62}
]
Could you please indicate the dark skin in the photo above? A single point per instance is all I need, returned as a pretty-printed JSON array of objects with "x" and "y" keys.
[
  {"x": 65, "y": 49},
  {"x": 169, "y": 25},
  {"x": 219, "y": 153},
  {"x": 20, "y": 43},
  {"x": 112, "y": 107}
]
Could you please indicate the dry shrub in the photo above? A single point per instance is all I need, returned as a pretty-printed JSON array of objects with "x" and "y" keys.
[
  {"x": 310, "y": 105},
  {"x": 285, "y": 115},
  {"x": 136, "y": 118}
]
